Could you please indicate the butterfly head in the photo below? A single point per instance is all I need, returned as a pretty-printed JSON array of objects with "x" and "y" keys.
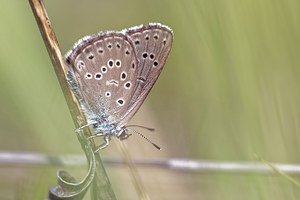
[{"x": 123, "y": 134}]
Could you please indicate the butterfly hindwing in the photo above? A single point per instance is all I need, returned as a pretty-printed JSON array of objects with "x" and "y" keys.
[{"x": 153, "y": 44}]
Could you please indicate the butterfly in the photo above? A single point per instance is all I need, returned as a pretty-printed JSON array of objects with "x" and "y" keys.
[{"x": 112, "y": 72}]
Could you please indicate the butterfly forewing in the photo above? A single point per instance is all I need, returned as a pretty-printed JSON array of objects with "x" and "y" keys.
[
  {"x": 104, "y": 69},
  {"x": 152, "y": 44}
]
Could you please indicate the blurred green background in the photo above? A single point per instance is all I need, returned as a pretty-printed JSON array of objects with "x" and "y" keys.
[{"x": 230, "y": 89}]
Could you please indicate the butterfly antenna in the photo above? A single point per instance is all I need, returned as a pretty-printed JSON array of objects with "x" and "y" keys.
[
  {"x": 129, "y": 129},
  {"x": 144, "y": 127}
]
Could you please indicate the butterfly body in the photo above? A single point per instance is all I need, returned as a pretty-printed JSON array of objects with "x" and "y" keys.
[{"x": 111, "y": 74}]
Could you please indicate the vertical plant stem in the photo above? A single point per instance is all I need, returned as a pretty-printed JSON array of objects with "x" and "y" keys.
[{"x": 102, "y": 188}]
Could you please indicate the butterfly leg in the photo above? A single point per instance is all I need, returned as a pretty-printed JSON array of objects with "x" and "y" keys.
[
  {"x": 103, "y": 146},
  {"x": 77, "y": 130},
  {"x": 96, "y": 135}
]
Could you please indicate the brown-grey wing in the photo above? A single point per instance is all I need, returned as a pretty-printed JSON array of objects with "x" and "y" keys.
[
  {"x": 153, "y": 44},
  {"x": 102, "y": 72}
]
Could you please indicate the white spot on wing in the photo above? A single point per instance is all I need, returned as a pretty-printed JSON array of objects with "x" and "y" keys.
[{"x": 112, "y": 82}]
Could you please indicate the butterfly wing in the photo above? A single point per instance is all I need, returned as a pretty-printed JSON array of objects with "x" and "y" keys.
[
  {"x": 102, "y": 73},
  {"x": 153, "y": 44}
]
